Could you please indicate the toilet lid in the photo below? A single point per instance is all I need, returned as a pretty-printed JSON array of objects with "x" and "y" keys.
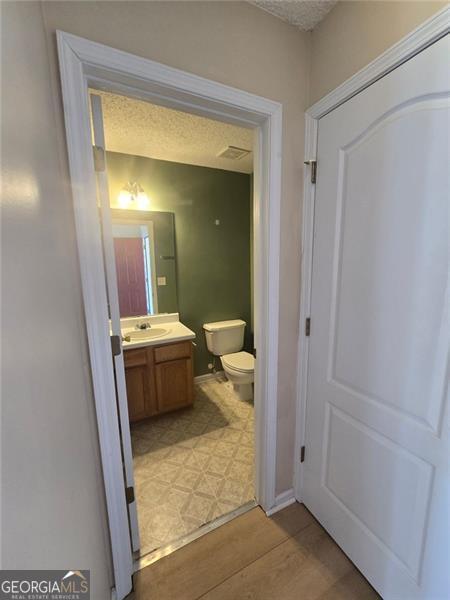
[{"x": 240, "y": 361}]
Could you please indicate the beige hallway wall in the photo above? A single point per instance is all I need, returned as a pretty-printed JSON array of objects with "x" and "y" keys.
[
  {"x": 53, "y": 507},
  {"x": 354, "y": 33},
  {"x": 54, "y": 500}
]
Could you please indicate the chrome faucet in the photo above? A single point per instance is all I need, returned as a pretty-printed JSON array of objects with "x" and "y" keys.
[{"x": 143, "y": 326}]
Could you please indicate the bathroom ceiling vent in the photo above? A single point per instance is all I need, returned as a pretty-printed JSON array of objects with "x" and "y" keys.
[{"x": 233, "y": 153}]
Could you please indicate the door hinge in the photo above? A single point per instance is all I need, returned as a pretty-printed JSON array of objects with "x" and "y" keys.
[
  {"x": 313, "y": 165},
  {"x": 116, "y": 347},
  {"x": 302, "y": 454},
  {"x": 129, "y": 494},
  {"x": 308, "y": 327},
  {"x": 99, "y": 158}
]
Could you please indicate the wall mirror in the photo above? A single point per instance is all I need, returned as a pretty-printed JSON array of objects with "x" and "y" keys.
[{"x": 145, "y": 255}]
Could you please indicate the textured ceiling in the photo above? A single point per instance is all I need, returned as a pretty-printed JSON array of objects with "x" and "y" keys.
[
  {"x": 143, "y": 129},
  {"x": 305, "y": 14}
]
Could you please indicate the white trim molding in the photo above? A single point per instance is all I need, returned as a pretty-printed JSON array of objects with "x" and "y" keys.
[
  {"x": 283, "y": 500},
  {"x": 426, "y": 34},
  {"x": 423, "y": 36},
  {"x": 311, "y": 127},
  {"x": 85, "y": 64}
]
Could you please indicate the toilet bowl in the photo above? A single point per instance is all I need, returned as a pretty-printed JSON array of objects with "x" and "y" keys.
[
  {"x": 239, "y": 368},
  {"x": 226, "y": 339}
]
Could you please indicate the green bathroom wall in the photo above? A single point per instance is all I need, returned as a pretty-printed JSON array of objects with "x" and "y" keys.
[{"x": 212, "y": 260}]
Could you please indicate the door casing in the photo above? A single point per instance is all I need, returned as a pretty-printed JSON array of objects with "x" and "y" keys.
[
  {"x": 85, "y": 64},
  {"x": 421, "y": 37}
]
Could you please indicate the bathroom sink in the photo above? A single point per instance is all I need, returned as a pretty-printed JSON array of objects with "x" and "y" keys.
[{"x": 144, "y": 334}]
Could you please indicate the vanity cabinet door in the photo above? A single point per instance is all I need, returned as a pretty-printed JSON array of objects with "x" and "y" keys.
[
  {"x": 137, "y": 392},
  {"x": 140, "y": 380},
  {"x": 174, "y": 384},
  {"x": 158, "y": 379}
]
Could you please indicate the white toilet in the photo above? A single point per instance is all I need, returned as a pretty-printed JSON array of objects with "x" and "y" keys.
[{"x": 225, "y": 339}]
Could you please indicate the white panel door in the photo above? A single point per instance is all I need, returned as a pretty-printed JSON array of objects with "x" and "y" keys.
[{"x": 376, "y": 470}]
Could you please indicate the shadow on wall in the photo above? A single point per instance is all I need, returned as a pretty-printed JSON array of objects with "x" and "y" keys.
[{"x": 212, "y": 234}]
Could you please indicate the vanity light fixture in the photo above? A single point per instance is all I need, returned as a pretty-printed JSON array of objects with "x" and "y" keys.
[{"x": 132, "y": 195}]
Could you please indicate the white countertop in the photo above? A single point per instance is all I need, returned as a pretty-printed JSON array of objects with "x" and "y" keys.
[{"x": 177, "y": 332}]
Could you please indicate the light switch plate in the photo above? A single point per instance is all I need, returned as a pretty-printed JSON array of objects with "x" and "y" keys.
[{"x": 161, "y": 280}]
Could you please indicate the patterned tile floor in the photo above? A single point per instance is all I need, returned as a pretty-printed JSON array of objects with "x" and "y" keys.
[{"x": 193, "y": 465}]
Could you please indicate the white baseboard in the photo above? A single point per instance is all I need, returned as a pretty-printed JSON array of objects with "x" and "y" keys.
[
  {"x": 208, "y": 376},
  {"x": 283, "y": 500}
]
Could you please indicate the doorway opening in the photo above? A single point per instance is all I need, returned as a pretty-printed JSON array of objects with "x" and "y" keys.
[
  {"x": 87, "y": 65},
  {"x": 181, "y": 227}
]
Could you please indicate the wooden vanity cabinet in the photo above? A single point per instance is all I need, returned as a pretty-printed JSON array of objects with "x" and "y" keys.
[
  {"x": 159, "y": 379},
  {"x": 140, "y": 379}
]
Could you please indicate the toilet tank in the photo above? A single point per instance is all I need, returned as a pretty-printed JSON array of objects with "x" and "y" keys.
[{"x": 224, "y": 337}]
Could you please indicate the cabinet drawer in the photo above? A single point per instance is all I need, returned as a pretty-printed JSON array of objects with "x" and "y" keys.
[
  {"x": 135, "y": 358},
  {"x": 173, "y": 352}
]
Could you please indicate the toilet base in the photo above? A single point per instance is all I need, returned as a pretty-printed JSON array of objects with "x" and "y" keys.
[
  {"x": 242, "y": 381},
  {"x": 244, "y": 391}
]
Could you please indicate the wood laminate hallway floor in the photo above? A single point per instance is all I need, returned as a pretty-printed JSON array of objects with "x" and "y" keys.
[{"x": 285, "y": 557}]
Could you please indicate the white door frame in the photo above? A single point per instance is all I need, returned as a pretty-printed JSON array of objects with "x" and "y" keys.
[
  {"x": 421, "y": 37},
  {"x": 84, "y": 64}
]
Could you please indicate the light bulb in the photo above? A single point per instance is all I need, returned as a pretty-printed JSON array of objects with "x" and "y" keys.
[
  {"x": 124, "y": 199},
  {"x": 143, "y": 201}
]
